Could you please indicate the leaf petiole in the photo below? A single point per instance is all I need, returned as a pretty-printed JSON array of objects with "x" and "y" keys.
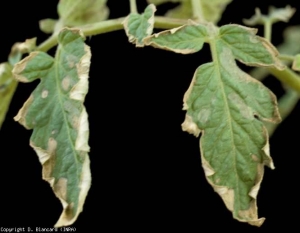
[
  {"x": 197, "y": 11},
  {"x": 133, "y": 7},
  {"x": 110, "y": 26},
  {"x": 268, "y": 29}
]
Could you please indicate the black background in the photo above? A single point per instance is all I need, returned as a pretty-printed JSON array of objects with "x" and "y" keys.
[{"x": 146, "y": 172}]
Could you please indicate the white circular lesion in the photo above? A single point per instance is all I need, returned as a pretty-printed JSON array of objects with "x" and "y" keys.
[{"x": 45, "y": 94}]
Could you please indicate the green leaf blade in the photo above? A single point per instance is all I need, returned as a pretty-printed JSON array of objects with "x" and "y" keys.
[
  {"x": 56, "y": 113},
  {"x": 186, "y": 39},
  {"x": 227, "y": 106},
  {"x": 233, "y": 140},
  {"x": 249, "y": 48},
  {"x": 140, "y": 26}
]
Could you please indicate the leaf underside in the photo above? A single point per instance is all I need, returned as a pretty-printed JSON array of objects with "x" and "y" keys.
[
  {"x": 58, "y": 118},
  {"x": 227, "y": 107}
]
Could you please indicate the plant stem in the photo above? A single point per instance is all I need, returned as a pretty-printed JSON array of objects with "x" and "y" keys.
[
  {"x": 259, "y": 73},
  {"x": 133, "y": 7},
  {"x": 287, "y": 57},
  {"x": 109, "y": 26},
  {"x": 268, "y": 29},
  {"x": 197, "y": 11},
  {"x": 168, "y": 23},
  {"x": 288, "y": 77},
  {"x": 48, "y": 44},
  {"x": 102, "y": 27}
]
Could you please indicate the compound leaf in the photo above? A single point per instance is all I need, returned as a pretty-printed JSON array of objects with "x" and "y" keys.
[
  {"x": 139, "y": 26},
  {"x": 227, "y": 106},
  {"x": 58, "y": 118}
]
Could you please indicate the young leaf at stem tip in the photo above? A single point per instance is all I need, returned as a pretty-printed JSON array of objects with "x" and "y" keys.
[
  {"x": 59, "y": 120},
  {"x": 139, "y": 26},
  {"x": 227, "y": 107}
]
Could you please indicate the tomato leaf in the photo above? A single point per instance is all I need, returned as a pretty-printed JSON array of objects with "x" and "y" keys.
[
  {"x": 139, "y": 26},
  {"x": 228, "y": 107},
  {"x": 58, "y": 118}
]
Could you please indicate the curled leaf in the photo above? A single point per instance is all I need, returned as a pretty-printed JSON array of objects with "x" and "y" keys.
[
  {"x": 139, "y": 26},
  {"x": 56, "y": 113},
  {"x": 185, "y": 39},
  {"x": 20, "y": 48},
  {"x": 8, "y": 84}
]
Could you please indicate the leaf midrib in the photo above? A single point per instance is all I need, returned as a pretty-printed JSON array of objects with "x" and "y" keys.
[
  {"x": 217, "y": 65},
  {"x": 60, "y": 94}
]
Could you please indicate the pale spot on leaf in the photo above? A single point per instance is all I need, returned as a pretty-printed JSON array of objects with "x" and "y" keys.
[
  {"x": 71, "y": 59},
  {"x": 66, "y": 83},
  {"x": 64, "y": 166},
  {"x": 221, "y": 103},
  {"x": 60, "y": 188},
  {"x": 45, "y": 94},
  {"x": 255, "y": 158},
  {"x": 204, "y": 115}
]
